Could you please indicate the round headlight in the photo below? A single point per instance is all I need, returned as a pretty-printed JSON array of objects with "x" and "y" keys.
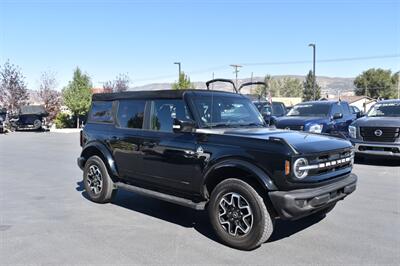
[{"x": 300, "y": 174}]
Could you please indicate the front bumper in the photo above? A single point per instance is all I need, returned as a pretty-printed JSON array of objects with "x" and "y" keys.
[
  {"x": 377, "y": 148},
  {"x": 291, "y": 205}
]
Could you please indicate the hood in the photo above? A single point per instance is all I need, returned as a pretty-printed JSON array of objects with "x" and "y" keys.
[
  {"x": 302, "y": 142},
  {"x": 298, "y": 120},
  {"x": 377, "y": 122}
]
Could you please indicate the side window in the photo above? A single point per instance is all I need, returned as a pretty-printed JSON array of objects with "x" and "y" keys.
[
  {"x": 131, "y": 113},
  {"x": 101, "y": 112},
  {"x": 164, "y": 111},
  {"x": 345, "y": 107},
  {"x": 336, "y": 109}
]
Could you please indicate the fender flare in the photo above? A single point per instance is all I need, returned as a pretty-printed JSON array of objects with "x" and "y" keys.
[
  {"x": 106, "y": 154},
  {"x": 260, "y": 174}
]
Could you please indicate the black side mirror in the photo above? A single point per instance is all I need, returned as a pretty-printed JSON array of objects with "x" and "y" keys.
[
  {"x": 183, "y": 125},
  {"x": 360, "y": 114},
  {"x": 337, "y": 115}
]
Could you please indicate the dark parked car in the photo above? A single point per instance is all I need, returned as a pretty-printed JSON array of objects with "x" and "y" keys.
[
  {"x": 378, "y": 133},
  {"x": 208, "y": 149},
  {"x": 330, "y": 117},
  {"x": 270, "y": 111},
  {"x": 3, "y": 115},
  {"x": 29, "y": 117}
]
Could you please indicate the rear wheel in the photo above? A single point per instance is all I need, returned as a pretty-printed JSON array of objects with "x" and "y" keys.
[
  {"x": 97, "y": 181},
  {"x": 238, "y": 215}
]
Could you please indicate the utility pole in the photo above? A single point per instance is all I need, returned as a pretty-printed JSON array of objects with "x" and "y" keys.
[
  {"x": 212, "y": 84},
  {"x": 236, "y": 71},
  {"x": 313, "y": 84},
  {"x": 251, "y": 79},
  {"x": 179, "y": 69}
]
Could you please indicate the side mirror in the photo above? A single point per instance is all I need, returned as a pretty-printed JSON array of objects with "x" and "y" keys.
[
  {"x": 183, "y": 125},
  {"x": 360, "y": 114},
  {"x": 337, "y": 115}
]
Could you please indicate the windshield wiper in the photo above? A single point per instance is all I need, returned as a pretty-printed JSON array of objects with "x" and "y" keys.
[{"x": 251, "y": 125}]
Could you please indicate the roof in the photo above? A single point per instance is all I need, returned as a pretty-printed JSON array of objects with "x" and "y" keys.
[
  {"x": 156, "y": 94},
  {"x": 32, "y": 110},
  {"x": 390, "y": 101},
  {"x": 321, "y": 102},
  {"x": 351, "y": 99}
]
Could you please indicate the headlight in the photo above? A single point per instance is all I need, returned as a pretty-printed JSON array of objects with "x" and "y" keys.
[
  {"x": 298, "y": 164},
  {"x": 316, "y": 128},
  {"x": 353, "y": 132}
]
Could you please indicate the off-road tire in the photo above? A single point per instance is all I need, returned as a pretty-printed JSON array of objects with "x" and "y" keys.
[
  {"x": 108, "y": 190},
  {"x": 262, "y": 225}
]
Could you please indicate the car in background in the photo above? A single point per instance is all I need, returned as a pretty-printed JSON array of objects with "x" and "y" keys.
[
  {"x": 3, "y": 115},
  {"x": 329, "y": 117},
  {"x": 29, "y": 117},
  {"x": 270, "y": 111},
  {"x": 378, "y": 132}
]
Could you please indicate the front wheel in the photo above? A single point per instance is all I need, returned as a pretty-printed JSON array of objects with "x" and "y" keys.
[
  {"x": 97, "y": 181},
  {"x": 238, "y": 215}
]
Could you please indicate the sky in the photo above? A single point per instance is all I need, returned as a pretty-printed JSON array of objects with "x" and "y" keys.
[{"x": 144, "y": 38}]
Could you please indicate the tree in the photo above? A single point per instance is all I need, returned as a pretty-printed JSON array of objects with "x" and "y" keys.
[
  {"x": 261, "y": 90},
  {"x": 308, "y": 92},
  {"x": 49, "y": 95},
  {"x": 290, "y": 87},
  {"x": 121, "y": 83},
  {"x": 13, "y": 92},
  {"x": 183, "y": 83},
  {"x": 377, "y": 83},
  {"x": 77, "y": 95}
]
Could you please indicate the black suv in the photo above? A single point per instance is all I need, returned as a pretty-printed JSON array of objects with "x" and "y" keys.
[{"x": 209, "y": 149}]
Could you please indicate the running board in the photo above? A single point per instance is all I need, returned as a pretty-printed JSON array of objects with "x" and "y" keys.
[{"x": 162, "y": 196}]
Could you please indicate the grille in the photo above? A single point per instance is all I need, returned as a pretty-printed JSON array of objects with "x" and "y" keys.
[
  {"x": 327, "y": 159},
  {"x": 388, "y": 134}
]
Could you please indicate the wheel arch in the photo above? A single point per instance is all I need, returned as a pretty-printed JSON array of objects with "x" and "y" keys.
[
  {"x": 96, "y": 148},
  {"x": 236, "y": 168}
]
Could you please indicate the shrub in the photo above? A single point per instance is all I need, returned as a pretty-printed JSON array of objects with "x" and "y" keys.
[{"x": 63, "y": 121}]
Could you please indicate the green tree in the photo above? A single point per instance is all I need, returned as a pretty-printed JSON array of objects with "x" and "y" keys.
[
  {"x": 261, "y": 90},
  {"x": 377, "y": 83},
  {"x": 183, "y": 83},
  {"x": 290, "y": 87},
  {"x": 77, "y": 95},
  {"x": 308, "y": 91}
]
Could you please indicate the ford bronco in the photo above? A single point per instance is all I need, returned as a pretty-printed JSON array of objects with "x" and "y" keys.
[{"x": 212, "y": 150}]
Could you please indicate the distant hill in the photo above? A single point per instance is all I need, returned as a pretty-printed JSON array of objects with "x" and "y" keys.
[{"x": 329, "y": 85}]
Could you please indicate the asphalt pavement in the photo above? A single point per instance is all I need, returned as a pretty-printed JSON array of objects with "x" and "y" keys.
[{"x": 45, "y": 218}]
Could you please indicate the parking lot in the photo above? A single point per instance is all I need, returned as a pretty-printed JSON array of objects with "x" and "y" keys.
[{"x": 46, "y": 219}]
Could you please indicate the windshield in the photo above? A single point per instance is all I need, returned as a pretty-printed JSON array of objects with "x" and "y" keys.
[
  {"x": 215, "y": 110},
  {"x": 312, "y": 109},
  {"x": 385, "y": 109}
]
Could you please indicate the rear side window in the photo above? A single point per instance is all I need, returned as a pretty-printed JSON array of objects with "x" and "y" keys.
[
  {"x": 131, "y": 113},
  {"x": 101, "y": 112}
]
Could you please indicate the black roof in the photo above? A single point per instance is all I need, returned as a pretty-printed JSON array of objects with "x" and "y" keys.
[
  {"x": 156, "y": 94},
  {"x": 32, "y": 110}
]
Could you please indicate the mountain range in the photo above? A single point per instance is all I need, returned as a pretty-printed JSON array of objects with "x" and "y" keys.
[{"x": 329, "y": 85}]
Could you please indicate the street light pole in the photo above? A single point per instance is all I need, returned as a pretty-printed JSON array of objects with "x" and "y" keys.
[
  {"x": 313, "y": 84},
  {"x": 179, "y": 69}
]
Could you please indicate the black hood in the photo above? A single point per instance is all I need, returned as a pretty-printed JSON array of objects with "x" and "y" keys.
[
  {"x": 302, "y": 142},
  {"x": 377, "y": 122}
]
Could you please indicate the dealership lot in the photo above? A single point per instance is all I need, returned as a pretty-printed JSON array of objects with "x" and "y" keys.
[{"x": 45, "y": 218}]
